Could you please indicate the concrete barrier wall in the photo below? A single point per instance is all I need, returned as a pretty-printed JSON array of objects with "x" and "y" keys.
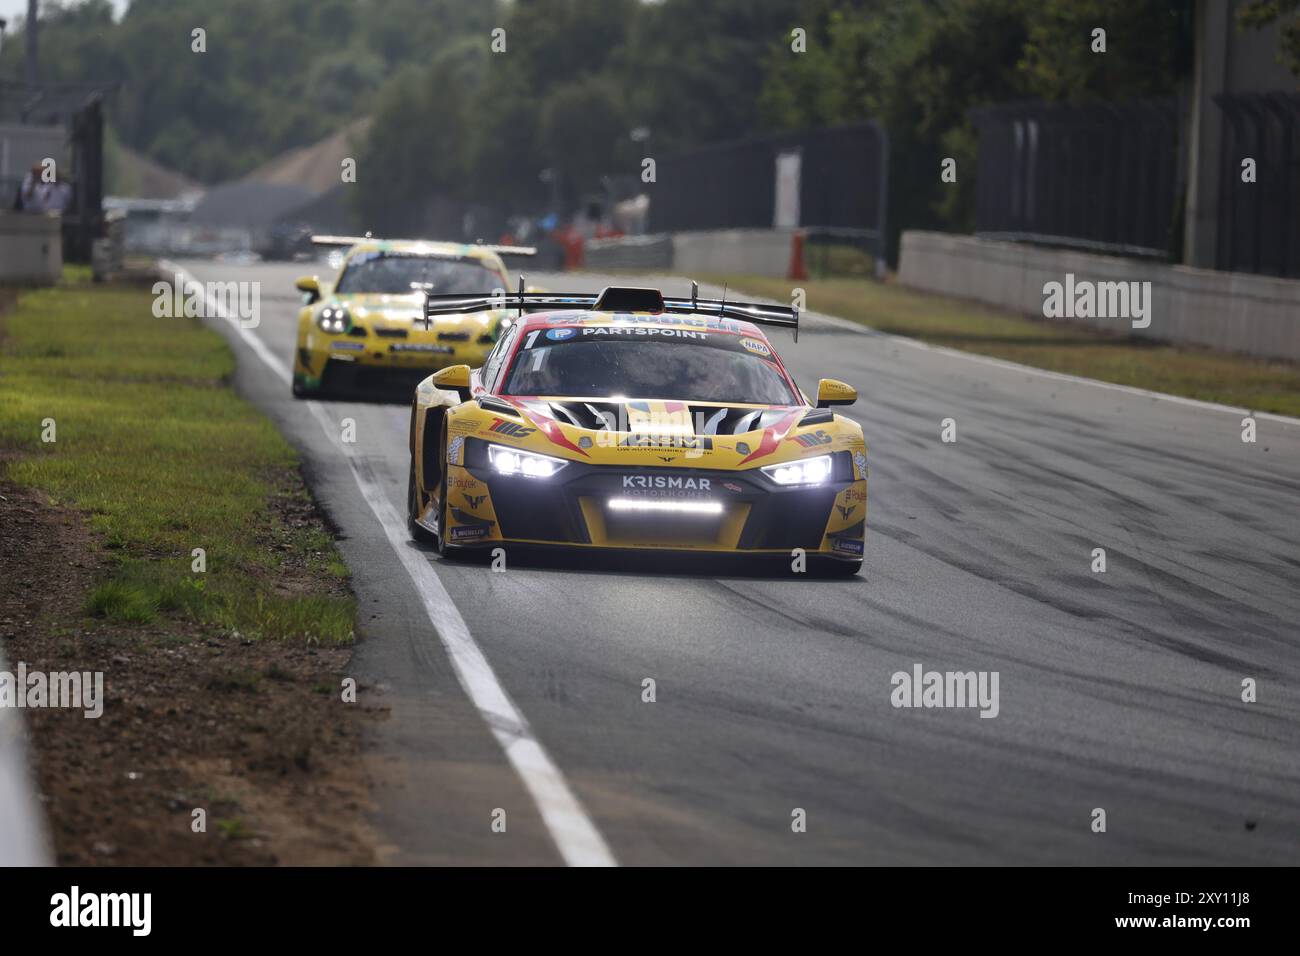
[
  {"x": 756, "y": 252},
  {"x": 1227, "y": 311},
  {"x": 759, "y": 252},
  {"x": 629, "y": 252},
  {"x": 31, "y": 248}
]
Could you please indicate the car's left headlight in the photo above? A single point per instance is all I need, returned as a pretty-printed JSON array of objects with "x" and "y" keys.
[
  {"x": 334, "y": 319},
  {"x": 806, "y": 471},
  {"x": 512, "y": 461}
]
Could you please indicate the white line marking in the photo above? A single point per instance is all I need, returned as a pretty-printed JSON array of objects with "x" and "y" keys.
[
  {"x": 574, "y": 833},
  {"x": 23, "y": 840},
  {"x": 861, "y": 329}
]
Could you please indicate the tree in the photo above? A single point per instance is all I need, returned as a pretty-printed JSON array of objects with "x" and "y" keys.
[
  {"x": 1261, "y": 13},
  {"x": 416, "y": 148},
  {"x": 919, "y": 67}
]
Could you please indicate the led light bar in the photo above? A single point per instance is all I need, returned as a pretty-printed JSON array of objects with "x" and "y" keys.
[{"x": 677, "y": 507}]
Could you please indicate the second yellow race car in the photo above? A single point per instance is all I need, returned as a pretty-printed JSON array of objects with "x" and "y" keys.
[
  {"x": 632, "y": 421},
  {"x": 366, "y": 330}
]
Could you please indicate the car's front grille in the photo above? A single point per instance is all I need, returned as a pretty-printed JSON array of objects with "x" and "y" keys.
[{"x": 660, "y": 528}]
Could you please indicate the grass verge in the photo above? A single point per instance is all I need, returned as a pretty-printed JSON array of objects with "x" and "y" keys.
[
  {"x": 1256, "y": 384},
  {"x": 130, "y": 419}
]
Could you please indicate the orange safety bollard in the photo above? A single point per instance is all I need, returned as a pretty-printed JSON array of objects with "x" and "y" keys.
[{"x": 797, "y": 270}]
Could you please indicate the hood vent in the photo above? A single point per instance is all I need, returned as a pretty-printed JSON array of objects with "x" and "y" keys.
[
  {"x": 490, "y": 404},
  {"x": 819, "y": 416}
]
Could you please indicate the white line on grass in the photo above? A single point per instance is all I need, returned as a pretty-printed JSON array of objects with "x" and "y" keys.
[{"x": 574, "y": 833}]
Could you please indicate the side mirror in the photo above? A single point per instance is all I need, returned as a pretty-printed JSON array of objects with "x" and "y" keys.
[
  {"x": 309, "y": 286},
  {"x": 832, "y": 392},
  {"x": 453, "y": 378}
]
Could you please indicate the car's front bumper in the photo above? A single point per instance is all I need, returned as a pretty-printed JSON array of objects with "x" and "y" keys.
[
  {"x": 344, "y": 363},
  {"x": 573, "y": 508}
]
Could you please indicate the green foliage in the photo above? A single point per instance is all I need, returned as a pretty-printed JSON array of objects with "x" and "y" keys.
[
  {"x": 919, "y": 67},
  {"x": 1143, "y": 58},
  {"x": 454, "y": 120},
  {"x": 693, "y": 71},
  {"x": 96, "y": 361},
  {"x": 1261, "y": 13},
  {"x": 276, "y": 73}
]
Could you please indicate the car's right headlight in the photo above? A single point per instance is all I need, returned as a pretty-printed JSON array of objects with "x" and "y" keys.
[{"x": 512, "y": 461}]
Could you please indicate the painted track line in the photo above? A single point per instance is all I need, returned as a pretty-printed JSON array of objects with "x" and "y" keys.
[
  {"x": 23, "y": 840},
  {"x": 572, "y": 830}
]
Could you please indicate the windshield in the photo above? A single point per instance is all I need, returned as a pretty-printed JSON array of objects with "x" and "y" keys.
[
  {"x": 649, "y": 363},
  {"x": 394, "y": 274}
]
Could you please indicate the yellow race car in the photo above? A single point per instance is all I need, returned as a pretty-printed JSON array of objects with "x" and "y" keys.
[
  {"x": 632, "y": 421},
  {"x": 367, "y": 331}
]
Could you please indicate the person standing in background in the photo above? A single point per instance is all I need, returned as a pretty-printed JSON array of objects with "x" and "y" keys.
[{"x": 35, "y": 194}]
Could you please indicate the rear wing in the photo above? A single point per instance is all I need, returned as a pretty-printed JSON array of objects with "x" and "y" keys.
[
  {"x": 348, "y": 241},
  {"x": 613, "y": 299}
]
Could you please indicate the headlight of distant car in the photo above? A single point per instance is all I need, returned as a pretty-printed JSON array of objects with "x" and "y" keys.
[
  {"x": 334, "y": 319},
  {"x": 808, "y": 471},
  {"x": 511, "y": 461}
]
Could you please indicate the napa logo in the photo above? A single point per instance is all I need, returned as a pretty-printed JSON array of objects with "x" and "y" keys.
[{"x": 755, "y": 346}]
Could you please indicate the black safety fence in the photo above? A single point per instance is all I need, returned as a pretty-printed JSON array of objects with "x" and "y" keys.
[
  {"x": 1102, "y": 177},
  {"x": 827, "y": 181},
  {"x": 1259, "y": 220}
]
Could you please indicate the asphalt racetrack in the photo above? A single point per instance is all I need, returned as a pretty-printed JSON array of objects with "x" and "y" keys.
[{"x": 1119, "y": 690}]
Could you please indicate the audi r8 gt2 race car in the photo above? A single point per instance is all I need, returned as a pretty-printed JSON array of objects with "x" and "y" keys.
[
  {"x": 367, "y": 328},
  {"x": 631, "y": 421}
]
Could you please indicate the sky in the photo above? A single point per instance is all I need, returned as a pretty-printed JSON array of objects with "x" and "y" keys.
[{"x": 15, "y": 11}]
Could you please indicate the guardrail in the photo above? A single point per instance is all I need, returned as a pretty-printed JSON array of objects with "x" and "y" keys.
[
  {"x": 1101, "y": 176},
  {"x": 1227, "y": 311}
]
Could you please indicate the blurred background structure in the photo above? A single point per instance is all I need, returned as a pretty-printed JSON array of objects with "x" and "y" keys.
[{"x": 823, "y": 124}]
